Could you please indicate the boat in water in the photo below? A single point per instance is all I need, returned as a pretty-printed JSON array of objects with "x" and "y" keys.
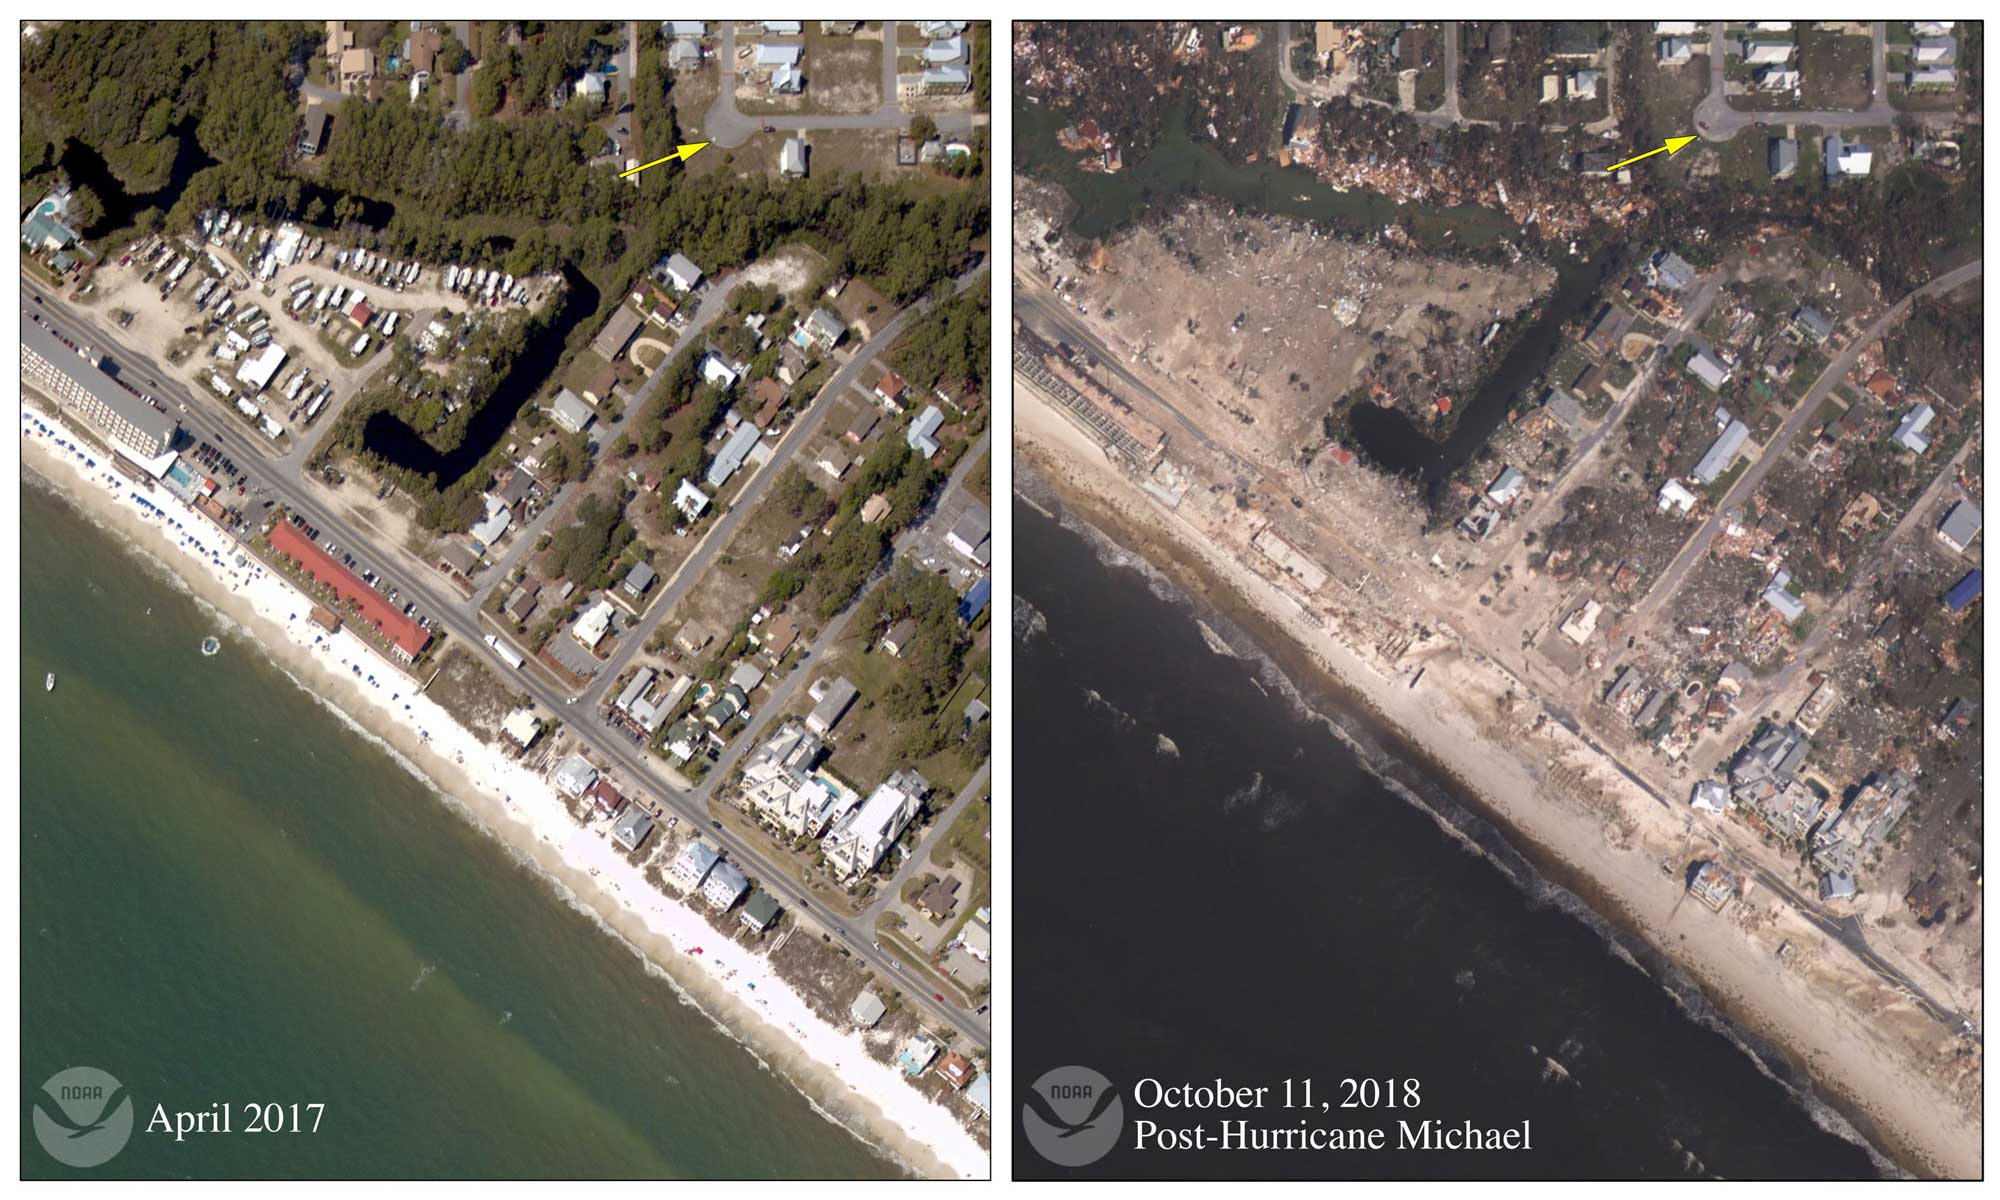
[
  {"x": 209, "y": 646},
  {"x": 49, "y": 684}
]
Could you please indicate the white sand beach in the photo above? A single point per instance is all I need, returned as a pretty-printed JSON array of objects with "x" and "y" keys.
[
  {"x": 1863, "y": 1041},
  {"x": 737, "y": 989}
]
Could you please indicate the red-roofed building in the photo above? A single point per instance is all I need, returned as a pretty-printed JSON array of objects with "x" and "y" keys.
[
  {"x": 360, "y": 313},
  {"x": 607, "y": 798},
  {"x": 891, "y": 389},
  {"x": 406, "y": 637}
]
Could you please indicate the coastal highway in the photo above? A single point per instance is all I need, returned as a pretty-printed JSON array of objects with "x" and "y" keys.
[
  {"x": 1045, "y": 312},
  {"x": 423, "y": 588},
  {"x": 1746, "y": 485}
]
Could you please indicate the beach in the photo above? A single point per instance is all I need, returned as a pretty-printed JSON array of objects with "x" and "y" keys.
[
  {"x": 735, "y": 988},
  {"x": 1832, "y": 1017}
]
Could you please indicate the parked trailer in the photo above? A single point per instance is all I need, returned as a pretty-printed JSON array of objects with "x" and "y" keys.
[
  {"x": 312, "y": 410},
  {"x": 508, "y": 656},
  {"x": 221, "y": 389},
  {"x": 298, "y": 385},
  {"x": 389, "y": 326},
  {"x": 360, "y": 344},
  {"x": 412, "y": 273}
]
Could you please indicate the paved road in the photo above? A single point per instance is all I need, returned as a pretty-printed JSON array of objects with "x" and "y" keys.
[
  {"x": 1039, "y": 307},
  {"x": 725, "y": 125},
  {"x": 890, "y": 890},
  {"x": 430, "y": 593},
  {"x": 1716, "y": 121},
  {"x": 1848, "y": 932},
  {"x": 745, "y": 503},
  {"x": 1746, "y": 485},
  {"x": 829, "y": 634},
  {"x": 1692, "y": 315},
  {"x": 1922, "y": 512}
]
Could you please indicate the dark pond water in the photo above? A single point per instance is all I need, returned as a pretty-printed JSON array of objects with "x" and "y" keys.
[
  {"x": 402, "y": 446},
  {"x": 1396, "y": 443},
  {"x": 1178, "y": 164}
]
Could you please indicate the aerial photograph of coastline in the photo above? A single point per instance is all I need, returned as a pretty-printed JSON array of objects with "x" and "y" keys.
[
  {"x": 1498, "y": 513},
  {"x": 506, "y": 599}
]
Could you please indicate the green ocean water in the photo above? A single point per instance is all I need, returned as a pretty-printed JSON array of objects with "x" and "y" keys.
[{"x": 230, "y": 897}]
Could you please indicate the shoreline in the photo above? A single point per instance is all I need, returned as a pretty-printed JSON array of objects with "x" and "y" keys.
[
  {"x": 738, "y": 990},
  {"x": 1844, "y": 1069}
]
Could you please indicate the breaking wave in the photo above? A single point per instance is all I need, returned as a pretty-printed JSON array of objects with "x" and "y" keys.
[{"x": 1474, "y": 835}]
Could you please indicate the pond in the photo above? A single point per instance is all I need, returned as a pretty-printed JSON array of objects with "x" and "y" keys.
[
  {"x": 1395, "y": 443},
  {"x": 1178, "y": 165},
  {"x": 390, "y": 437}
]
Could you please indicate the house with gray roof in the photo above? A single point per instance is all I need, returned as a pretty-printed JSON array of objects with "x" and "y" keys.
[
  {"x": 1779, "y": 596},
  {"x": 1708, "y": 368},
  {"x": 867, "y": 1010},
  {"x": 569, "y": 411},
  {"x": 759, "y": 911},
  {"x": 734, "y": 450},
  {"x": 823, "y": 330},
  {"x": 575, "y": 775},
  {"x": 638, "y": 579},
  {"x": 1722, "y": 455},
  {"x": 832, "y": 698},
  {"x": 1784, "y": 157},
  {"x": 1672, "y": 272},
  {"x": 1910, "y": 433},
  {"x": 1813, "y": 323},
  {"x": 922, "y": 434},
  {"x": 617, "y": 332},
  {"x": 632, "y": 829},
  {"x": 1960, "y": 526}
]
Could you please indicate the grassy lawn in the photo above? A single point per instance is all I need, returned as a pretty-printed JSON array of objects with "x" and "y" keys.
[
  {"x": 1746, "y": 158},
  {"x": 1922, "y": 101},
  {"x": 1834, "y": 70},
  {"x": 871, "y": 153}
]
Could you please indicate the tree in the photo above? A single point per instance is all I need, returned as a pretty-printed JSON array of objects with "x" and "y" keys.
[
  {"x": 922, "y": 128},
  {"x": 85, "y": 208},
  {"x": 488, "y": 91}
]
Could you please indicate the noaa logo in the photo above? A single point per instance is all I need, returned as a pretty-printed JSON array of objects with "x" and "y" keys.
[
  {"x": 83, "y": 1116},
  {"x": 1073, "y": 1116}
]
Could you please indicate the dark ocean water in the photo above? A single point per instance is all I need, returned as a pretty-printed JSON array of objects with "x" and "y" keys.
[
  {"x": 1255, "y": 904},
  {"x": 229, "y": 896}
]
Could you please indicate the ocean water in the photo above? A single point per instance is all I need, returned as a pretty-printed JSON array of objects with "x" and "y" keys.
[
  {"x": 1240, "y": 880},
  {"x": 230, "y": 897}
]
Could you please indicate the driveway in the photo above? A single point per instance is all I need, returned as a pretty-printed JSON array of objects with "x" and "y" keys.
[
  {"x": 745, "y": 503},
  {"x": 725, "y": 125},
  {"x": 1716, "y": 121},
  {"x": 1676, "y": 574}
]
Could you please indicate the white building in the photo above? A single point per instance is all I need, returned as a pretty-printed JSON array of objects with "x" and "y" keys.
[
  {"x": 694, "y": 864},
  {"x": 575, "y": 775},
  {"x": 859, "y": 840},
  {"x": 922, "y": 434},
  {"x": 593, "y": 625},
  {"x": 690, "y": 500},
  {"x": 258, "y": 372},
  {"x": 1674, "y": 497}
]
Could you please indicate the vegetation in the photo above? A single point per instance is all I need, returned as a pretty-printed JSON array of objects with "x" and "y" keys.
[
  {"x": 933, "y": 658},
  {"x": 584, "y": 552},
  {"x": 951, "y": 346}
]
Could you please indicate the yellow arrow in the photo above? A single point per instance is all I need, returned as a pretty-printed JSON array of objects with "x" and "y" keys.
[
  {"x": 1673, "y": 147},
  {"x": 681, "y": 152}
]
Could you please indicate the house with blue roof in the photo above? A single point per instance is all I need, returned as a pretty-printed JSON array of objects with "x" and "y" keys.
[
  {"x": 1965, "y": 591},
  {"x": 975, "y": 600}
]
